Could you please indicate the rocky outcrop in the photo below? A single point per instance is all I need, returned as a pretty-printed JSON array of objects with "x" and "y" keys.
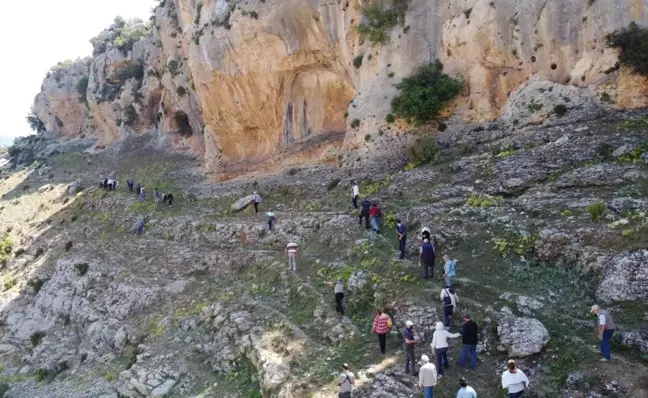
[
  {"x": 274, "y": 81},
  {"x": 626, "y": 278},
  {"x": 522, "y": 337}
]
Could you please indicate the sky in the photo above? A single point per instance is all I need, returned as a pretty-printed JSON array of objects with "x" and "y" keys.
[{"x": 37, "y": 34}]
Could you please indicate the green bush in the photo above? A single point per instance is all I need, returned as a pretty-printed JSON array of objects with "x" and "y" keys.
[
  {"x": 424, "y": 94},
  {"x": 198, "y": 10},
  {"x": 357, "y": 61},
  {"x": 82, "y": 89},
  {"x": 173, "y": 67},
  {"x": 36, "y": 338},
  {"x": 633, "y": 43},
  {"x": 181, "y": 91},
  {"x": 596, "y": 210},
  {"x": 390, "y": 118},
  {"x": 9, "y": 283},
  {"x": 134, "y": 70},
  {"x": 422, "y": 151},
  {"x": 355, "y": 123},
  {"x": 35, "y": 123},
  {"x": 477, "y": 200},
  {"x": 333, "y": 184},
  {"x": 182, "y": 123},
  {"x": 35, "y": 284},
  {"x": 81, "y": 268},
  {"x": 129, "y": 33},
  {"x": 379, "y": 22},
  {"x": 68, "y": 246},
  {"x": 560, "y": 110}
]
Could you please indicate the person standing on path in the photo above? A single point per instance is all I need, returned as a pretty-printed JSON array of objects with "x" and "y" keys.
[
  {"x": 449, "y": 299},
  {"x": 440, "y": 346},
  {"x": 138, "y": 187},
  {"x": 605, "y": 330},
  {"x": 130, "y": 183},
  {"x": 156, "y": 196},
  {"x": 170, "y": 198},
  {"x": 291, "y": 252},
  {"x": 426, "y": 258},
  {"x": 514, "y": 380},
  {"x": 401, "y": 233},
  {"x": 427, "y": 377},
  {"x": 256, "y": 199},
  {"x": 425, "y": 234},
  {"x": 470, "y": 338},
  {"x": 375, "y": 215},
  {"x": 346, "y": 381},
  {"x": 355, "y": 194},
  {"x": 364, "y": 212},
  {"x": 339, "y": 296},
  {"x": 410, "y": 341},
  {"x": 140, "y": 226},
  {"x": 381, "y": 326},
  {"x": 271, "y": 219},
  {"x": 449, "y": 270},
  {"x": 465, "y": 391}
]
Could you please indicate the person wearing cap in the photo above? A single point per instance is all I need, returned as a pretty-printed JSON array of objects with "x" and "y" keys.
[
  {"x": 427, "y": 377},
  {"x": 514, "y": 380},
  {"x": 346, "y": 382},
  {"x": 339, "y": 296},
  {"x": 410, "y": 342},
  {"x": 291, "y": 252},
  {"x": 605, "y": 330},
  {"x": 465, "y": 391},
  {"x": 469, "y": 337},
  {"x": 381, "y": 326},
  {"x": 440, "y": 345},
  {"x": 449, "y": 270},
  {"x": 355, "y": 194},
  {"x": 426, "y": 258},
  {"x": 401, "y": 233}
]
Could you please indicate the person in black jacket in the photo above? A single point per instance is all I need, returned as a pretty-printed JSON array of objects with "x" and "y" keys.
[
  {"x": 470, "y": 337},
  {"x": 426, "y": 258},
  {"x": 364, "y": 212}
]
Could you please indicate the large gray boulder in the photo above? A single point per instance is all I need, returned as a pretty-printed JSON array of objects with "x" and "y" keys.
[
  {"x": 522, "y": 337},
  {"x": 626, "y": 278}
]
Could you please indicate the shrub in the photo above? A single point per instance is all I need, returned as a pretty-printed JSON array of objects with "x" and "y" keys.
[
  {"x": 39, "y": 252},
  {"x": 534, "y": 106},
  {"x": 476, "y": 200},
  {"x": 129, "y": 115},
  {"x": 82, "y": 89},
  {"x": 367, "y": 137},
  {"x": 355, "y": 123},
  {"x": 110, "y": 377},
  {"x": 4, "y": 389},
  {"x": 181, "y": 91},
  {"x": 36, "y": 338},
  {"x": 425, "y": 93},
  {"x": 422, "y": 151},
  {"x": 128, "y": 33},
  {"x": 254, "y": 14},
  {"x": 35, "y": 123},
  {"x": 379, "y": 22},
  {"x": 9, "y": 283},
  {"x": 633, "y": 42},
  {"x": 20, "y": 251},
  {"x": 68, "y": 246},
  {"x": 333, "y": 184},
  {"x": 173, "y": 67},
  {"x": 390, "y": 118},
  {"x": 81, "y": 268},
  {"x": 357, "y": 61},
  {"x": 182, "y": 123},
  {"x": 390, "y": 75},
  {"x": 41, "y": 374},
  {"x": 198, "y": 10},
  {"x": 134, "y": 70},
  {"x": 560, "y": 110},
  {"x": 596, "y": 210},
  {"x": 35, "y": 284},
  {"x": 346, "y": 115}
]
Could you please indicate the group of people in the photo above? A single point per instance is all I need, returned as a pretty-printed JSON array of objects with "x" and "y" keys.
[{"x": 108, "y": 183}]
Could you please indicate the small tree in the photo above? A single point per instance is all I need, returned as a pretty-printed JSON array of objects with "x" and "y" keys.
[
  {"x": 182, "y": 123},
  {"x": 82, "y": 89},
  {"x": 35, "y": 123},
  {"x": 633, "y": 42}
]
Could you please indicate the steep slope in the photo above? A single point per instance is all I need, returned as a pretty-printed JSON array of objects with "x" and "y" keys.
[{"x": 276, "y": 82}]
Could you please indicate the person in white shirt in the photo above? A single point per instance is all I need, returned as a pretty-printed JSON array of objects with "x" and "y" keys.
[
  {"x": 356, "y": 194},
  {"x": 291, "y": 252},
  {"x": 339, "y": 296},
  {"x": 427, "y": 377},
  {"x": 440, "y": 345},
  {"x": 514, "y": 380},
  {"x": 346, "y": 382},
  {"x": 465, "y": 391},
  {"x": 449, "y": 299}
]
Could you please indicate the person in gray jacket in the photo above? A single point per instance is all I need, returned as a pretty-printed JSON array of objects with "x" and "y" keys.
[{"x": 605, "y": 330}]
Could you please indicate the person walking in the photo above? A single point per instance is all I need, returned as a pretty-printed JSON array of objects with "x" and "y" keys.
[
  {"x": 465, "y": 391},
  {"x": 355, "y": 194},
  {"x": 156, "y": 196},
  {"x": 449, "y": 270},
  {"x": 339, "y": 296},
  {"x": 115, "y": 184},
  {"x": 130, "y": 183},
  {"x": 140, "y": 226},
  {"x": 364, "y": 211},
  {"x": 291, "y": 252},
  {"x": 514, "y": 380},
  {"x": 605, "y": 330},
  {"x": 382, "y": 326},
  {"x": 271, "y": 219},
  {"x": 449, "y": 299},
  {"x": 426, "y": 258},
  {"x": 440, "y": 346},
  {"x": 375, "y": 215},
  {"x": 138, "y": 187},
  {"x": 470, "y": 338},
  {"x": 410, "y": 341},
  {"x": 256, "y": 199},
  {"x": 142, "y": 192},
  {"x": 170, "y": 198},
  {"x": 346, "y": 381},
  {"x": 427, "y": 377},
  {"x": 401, "y": 233}
]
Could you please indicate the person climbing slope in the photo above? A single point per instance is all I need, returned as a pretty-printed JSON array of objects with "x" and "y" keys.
[
  {"x": 355, "y": 193},
  {"x": 401, "y": 233},
  {"x": 375, "y": 215},
  {"x": 156, "y": 196},
  {"x": 449, "y": 299},
  {"x": 364, "y": 211},
  {"x": 427, "y": 377},
  {"x": 514, "y": 380},
  {"x": 271, "y": 219},
  {"x": 410, "y": 341},
  {"x": 440, "y": 346},
  {"x": 140, "y": 226},
  {"x": 170, "y": 198},
  {"x": 291, "y": 252},
  {"x": 130, "y": 183},
  {"x": 256, "y": 199},
  {"x": 427, "y": 258},
  {"x": 138, "y": 187},
  {"x": 465, "y": 391},
  {"x": 339, "y": 296},
  {"x": 449, "y": 270},
  {"x": 382, "y": 325}
]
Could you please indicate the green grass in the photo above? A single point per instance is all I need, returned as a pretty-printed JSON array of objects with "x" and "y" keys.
[
  {"x": 481, "y": 200},
  {"x": 596, "y": 210}
]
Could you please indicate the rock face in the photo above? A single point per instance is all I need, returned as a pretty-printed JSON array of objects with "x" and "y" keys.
[
  {"x": 522, "y": 336},
  {"x": 242, "y": 83},
  {"x": 626, "y": 278}
]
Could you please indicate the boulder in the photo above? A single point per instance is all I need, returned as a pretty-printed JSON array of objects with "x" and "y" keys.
[
  {"x": 637, "y": 339},
  {"x": 75, "y": 187},
  {"x": 164, "y": 389},
  {"x": 626, "y": 278},
  {"x": 242, "y": 203},
  {"x": 522, "y": 336}
]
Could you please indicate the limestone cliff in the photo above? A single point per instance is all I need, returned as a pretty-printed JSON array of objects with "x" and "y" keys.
[{"x": 274, "y": 80}]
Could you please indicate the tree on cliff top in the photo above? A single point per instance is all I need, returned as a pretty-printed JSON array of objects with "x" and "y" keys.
[
  {"x": 633, "y": 42},
  {"x": 35, "y": 123},
  {"x": 126, "y": 34},
  {"x": 424, "y": 94}
]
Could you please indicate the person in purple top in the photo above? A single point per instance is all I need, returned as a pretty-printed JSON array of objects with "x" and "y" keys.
[{"x": 401, "y": 232}]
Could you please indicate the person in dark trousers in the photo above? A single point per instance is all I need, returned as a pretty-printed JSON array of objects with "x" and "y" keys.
[
  {"x": 165, "y": 198},
  {"x": 130, "y": 183},
  {"x": 339, "y": 296},
  {"x": 375, "y": 215},
  {"x": 271, "y": 219},
  {"x": 426, "y": 258},
  {"x": 449, "y": 299},
  {"x": 410, "y": 341},
  {"x": 364, "y": 212},
  {"x": 256, "y": 199},
  {"x": 140, "y": 226},
  {"x": 425, "y": 234},
  {"x": 346, "y": 381},
  {"x": 138, "y": 187},
  {"x": 105, "y": 185},
  {"x": 401, "y": 233},
  {"x": 469, "y": 337},
  {"x": 605, "y": 330},
  {"x": 170, "y": 198},
  {"x": 382, "y": 326},
  {"x": 355, "y": 194}
]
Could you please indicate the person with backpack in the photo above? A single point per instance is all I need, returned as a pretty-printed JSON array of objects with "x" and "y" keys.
[
  {"x": 449, "y": 270},
  {"x": 440, "y": 346},
  {"x": 271, "y": 219},
  {"x": 465, "y": 391},
  {"x": 291, "y": 252},
  {"x": 346, "y": 381},
  {"x": 339, "y": 296},
  {"x": 426, "y": 258},
  {"x": 355, "y": 194},
  {"x": 449, "y": 299},
  {"x": 401, "y": 233},
  {"x": 382, "y": 325},
  {"x": 514, "y": 380},
  {"x": 375, "y": 215},
  {"x": 470, "y": 338},
  {"x": 427, "y": 377},
  {"x": 364, "y": 212}
]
